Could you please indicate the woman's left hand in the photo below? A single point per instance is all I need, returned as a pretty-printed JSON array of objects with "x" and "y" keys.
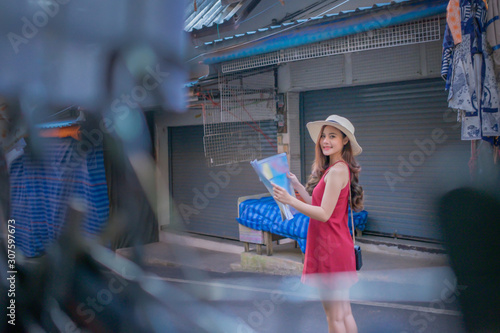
[{"x": 281, "y": 195}]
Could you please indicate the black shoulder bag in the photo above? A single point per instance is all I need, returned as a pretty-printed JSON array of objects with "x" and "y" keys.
[{"x": 357, "y": 249}]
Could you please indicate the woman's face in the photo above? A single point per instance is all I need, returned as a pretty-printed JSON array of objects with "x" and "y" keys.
[{"x": 332, "y": 142}]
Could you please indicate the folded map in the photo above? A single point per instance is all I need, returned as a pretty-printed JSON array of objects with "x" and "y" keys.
[{"x": 274, "y": 170}]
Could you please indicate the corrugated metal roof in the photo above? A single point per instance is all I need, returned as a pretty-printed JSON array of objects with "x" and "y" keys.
[
  {"x": 208, "y": 12},
  {"x": 330, "y": 10},
  {"x": 331, "y": 7}
]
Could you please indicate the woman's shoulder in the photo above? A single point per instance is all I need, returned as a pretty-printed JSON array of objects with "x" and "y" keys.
[{"x": 339, "y": 169}]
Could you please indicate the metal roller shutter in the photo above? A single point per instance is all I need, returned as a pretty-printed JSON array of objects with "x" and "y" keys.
[
  {"x": 204, "y": 200},
  {"x": 411, "y": 145}
]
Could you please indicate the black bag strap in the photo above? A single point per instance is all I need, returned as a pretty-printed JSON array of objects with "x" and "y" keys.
[{"x": 350, "y": 204}]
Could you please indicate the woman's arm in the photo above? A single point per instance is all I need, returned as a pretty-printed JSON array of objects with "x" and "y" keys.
[
  {"x": 335, "y": 180},
  {"x": 299, "y": 188}
]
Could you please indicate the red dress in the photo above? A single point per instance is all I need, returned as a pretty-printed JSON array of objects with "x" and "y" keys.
[{"x": 329, "y": 259}]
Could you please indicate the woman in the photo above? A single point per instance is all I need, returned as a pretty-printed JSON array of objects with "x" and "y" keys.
[{"x": 329, "y": 262}]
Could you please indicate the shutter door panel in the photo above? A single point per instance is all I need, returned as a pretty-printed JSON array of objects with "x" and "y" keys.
[
  {"x": 404, "y": 61},
  {"x": 401, "y": 178},
  {"x": 202, "y": 202}
]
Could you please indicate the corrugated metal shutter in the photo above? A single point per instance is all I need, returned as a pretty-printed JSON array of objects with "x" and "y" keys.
[
  {"x": 204, "y": 200},
  {"x": 433, "y": 55},
  {"x": 403, "y": 61},
  {"x": 320, "y": 72},
  {"x": 412, "y": 149}
]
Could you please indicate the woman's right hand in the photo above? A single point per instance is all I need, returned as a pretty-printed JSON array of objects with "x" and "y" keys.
[{"x": 293, "y": 179}]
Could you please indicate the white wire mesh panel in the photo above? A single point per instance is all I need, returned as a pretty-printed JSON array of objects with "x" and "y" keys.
[
  {"x": 232, "y": 123},
  {"x": 421, "y": 31},
  {"x": 262, "y": 60}
]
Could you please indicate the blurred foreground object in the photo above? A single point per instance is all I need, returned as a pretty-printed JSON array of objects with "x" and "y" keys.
[
  {"x": 114, "y": 59},
  {"x": 470, "y": 221},
  {"x": 80, "y": 286},
  {"x": 65, "y": 52}
]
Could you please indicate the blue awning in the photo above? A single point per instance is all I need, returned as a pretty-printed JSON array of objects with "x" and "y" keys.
[{"x": 379, "y": 16}]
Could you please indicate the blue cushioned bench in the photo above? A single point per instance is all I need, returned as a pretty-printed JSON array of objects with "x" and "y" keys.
[{"x": 260, "y": 223}]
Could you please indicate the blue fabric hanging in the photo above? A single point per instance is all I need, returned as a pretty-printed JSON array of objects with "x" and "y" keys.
[{"x": 40, "y": 190}]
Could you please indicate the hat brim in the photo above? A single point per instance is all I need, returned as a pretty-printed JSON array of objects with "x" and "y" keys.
[{"x": 314, "y": 129}]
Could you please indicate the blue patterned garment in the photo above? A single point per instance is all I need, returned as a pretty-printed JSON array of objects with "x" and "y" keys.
[
  {"x": 40, "y": 190},
  {"x": 447, "y": 60},
  {"x": 469, "y": 73},
  {"x": 264, "y": 214}
]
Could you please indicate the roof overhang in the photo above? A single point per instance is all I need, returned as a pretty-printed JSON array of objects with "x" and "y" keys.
[{"x": 320, "y": 29}]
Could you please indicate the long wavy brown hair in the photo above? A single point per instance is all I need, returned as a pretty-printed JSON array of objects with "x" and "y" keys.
[{"x": 322, "y": 162}]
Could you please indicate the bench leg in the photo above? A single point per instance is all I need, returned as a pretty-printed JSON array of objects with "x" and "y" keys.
[
  {"x": 269, "y": 244},
  {"x": 259, "y": 249},
  {"x": 247, "y": 247}
]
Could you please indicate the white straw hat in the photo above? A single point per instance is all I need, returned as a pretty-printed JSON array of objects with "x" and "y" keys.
[{"x": 339, "y": 122}]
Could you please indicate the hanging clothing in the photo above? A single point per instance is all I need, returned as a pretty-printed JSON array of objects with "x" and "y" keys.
[
  {"x": 493, "y": 29},
  {"x": 452, "y": 37},
  {"x": 469, "y": 72},
  {"x": 453, "y": 20},
  {"x": 447, "y": 58},
  {"x": 457, "y": 12},
  {"x": 40, "y": 189}
]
